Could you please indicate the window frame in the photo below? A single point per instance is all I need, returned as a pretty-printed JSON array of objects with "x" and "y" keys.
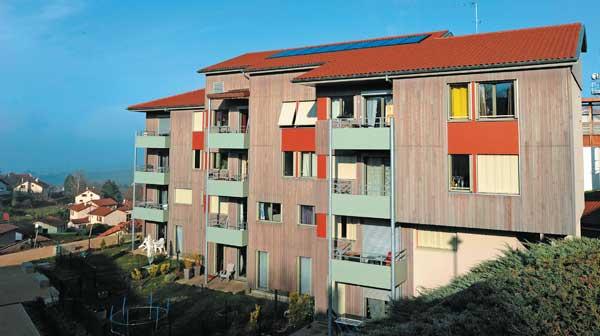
[
  {"x": 314, "y": 215},
  {"x": 469, "y": 103},
  {"x": 312, "y": 165},
  {"x": 271, "y": 211},
  {"x": 460, "y": 190},
  {"x": 342, "y": 97},
  {"x": 283, "y": 154},
  {"x": 515, "y": 115},
  {"x": 196, "y": 164}
]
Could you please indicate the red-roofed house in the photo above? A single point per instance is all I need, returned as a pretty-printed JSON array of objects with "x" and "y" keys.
[
  {"x": 105, "y": 202},
  {"x": 107, "y": 215},
  {"x": 395, "y": 156},
  {"x": 87, "y": 196},
  {"x": 9, "y": 234},
  {"x": 80, "y": 210}
]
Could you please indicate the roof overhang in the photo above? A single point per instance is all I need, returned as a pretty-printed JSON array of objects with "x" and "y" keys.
[{"x": 231, "y": 94}]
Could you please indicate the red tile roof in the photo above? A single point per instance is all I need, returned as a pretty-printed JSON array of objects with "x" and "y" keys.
[
  {"x": 590, "y": 207},
  {"x": 101, "y": 211},
  {"x": 4, "y": 228},
  {"x": 438, "y": 52},
  {"x": 188, "y": 99},
  {"x": 231, "y": 94},
  {"x": 78, "y": 207},
  {"x": 123, "y": 226},
  {"x": 83, "y": 220},
  {"x": 104, "y": 202}
]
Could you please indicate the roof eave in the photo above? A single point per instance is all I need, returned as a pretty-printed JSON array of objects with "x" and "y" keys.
[{"x": 164, "y": 108}]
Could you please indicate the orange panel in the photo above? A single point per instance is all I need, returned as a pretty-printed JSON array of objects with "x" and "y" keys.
[
  {"x": 198, "y": 140},
  {"x": 298, "y": 139},
  {"x": 321, "y": 219},
  {"x": 483, "y": 137},
  {"x": 322, "y": 108},
  {"x": 322, "y": 166},
  {"x": 591, "y": 141}
]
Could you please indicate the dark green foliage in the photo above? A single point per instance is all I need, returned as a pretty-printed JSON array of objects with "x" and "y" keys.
[
  {"x": 74, "y": 183},
  {"x": 548, "y": 289},
  {"x": 110, "y": 189}
]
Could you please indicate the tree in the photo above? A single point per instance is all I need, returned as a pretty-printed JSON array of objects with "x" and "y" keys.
[
  {"x": 75, "y": 183},
  {"x": 110, "y": 189}
]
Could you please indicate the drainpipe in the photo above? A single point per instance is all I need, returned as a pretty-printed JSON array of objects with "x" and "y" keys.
[
  {"x": 330, "y": 235},
  {"x": 207, "y": 149},
  {"x": 393, "y": 209}
]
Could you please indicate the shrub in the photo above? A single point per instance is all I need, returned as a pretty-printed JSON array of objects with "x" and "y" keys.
[
  {"x": 301, "y": 309},
  {"x": 547, "y": 289},
  {"x": 198, "y": 259},
  {"x": 171, "y": 277},
  {"x": 254, "y": 318},
  {"x": 102, "y": 244},
  {"x": 153, "y": 270},
  {"x": 164, "y": 268},
  {"x": 137, "y": 274}
]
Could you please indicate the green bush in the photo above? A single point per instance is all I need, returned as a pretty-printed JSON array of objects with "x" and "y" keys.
[
  {"x": 103, "y": 244},
  {"x": 546, "y": 289},
  {"x": 137, "y": 274},
  {"x": 164, "y": 268},
  {"x": 301, "y": 309},
  {"x": 153, "y": 271},
  {"x": 171, "y": 277}
]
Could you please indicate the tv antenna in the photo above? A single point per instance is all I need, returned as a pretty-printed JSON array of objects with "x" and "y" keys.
[{"x": 477, "y": 21}]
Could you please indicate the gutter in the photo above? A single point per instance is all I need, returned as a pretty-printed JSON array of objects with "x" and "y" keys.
[{"x": 166, "y": 109}]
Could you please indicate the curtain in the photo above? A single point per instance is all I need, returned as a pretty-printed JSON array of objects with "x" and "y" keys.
[
  {"x": 262, "y": 211},
  {"x": 306, "y": 214},
  {"x": 372, "y": 104},
  {"x": 460, "y": 106},
  {"x": 336, "y": 108},
  {"x": 306, "y": 164}
]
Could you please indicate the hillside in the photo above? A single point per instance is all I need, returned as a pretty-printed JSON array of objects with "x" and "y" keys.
[{"x": 549, "y": 289}]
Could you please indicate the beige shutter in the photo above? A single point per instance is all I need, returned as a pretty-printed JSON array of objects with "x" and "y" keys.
[
  {"x": 197, "y": 121},
  {"x": 286, "y": 116},
  {"x": 183, "y": 196},
  {"x": 307, "y": 114},
  {"x": 345, "y": 167},
  {"x": 435, "y": 239},
  {"x": 214, "y": 204},
  {"x": 498, "y": 174},
  {"x": 223, "y": 206}
]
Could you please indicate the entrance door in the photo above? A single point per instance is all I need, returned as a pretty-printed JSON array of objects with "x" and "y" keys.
[
  {"x": 220, "y": 249},
  {"x": 241, "y": 263},
  {"x": 263, "y": 270}
]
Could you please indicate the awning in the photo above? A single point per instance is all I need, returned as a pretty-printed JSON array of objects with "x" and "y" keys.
[
  {"x": 286, "y": 116},
  {"x": 307, "y": 114},
  {"x": 231, "y": 94}
]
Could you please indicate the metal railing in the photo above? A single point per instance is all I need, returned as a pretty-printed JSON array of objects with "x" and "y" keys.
[
  {"x": 151, "y": 205},
  {"x": 222, "y": 221},
  {"x": 595, "y": 88},
  {"x": 152, "y": 169},
  {"x": 224, "y": 175},
  {"x": 229, "y": 129},
  {"x": 343, "y": 250},
  {"x": 153, "y": 133},
  {"x": 591, "y": 127},
  {"x": 376, "y": 122},
  {"x": 351, "y": 187}
]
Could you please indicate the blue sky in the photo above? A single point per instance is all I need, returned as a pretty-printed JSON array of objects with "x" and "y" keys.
[{"x": 68, "y": 69}]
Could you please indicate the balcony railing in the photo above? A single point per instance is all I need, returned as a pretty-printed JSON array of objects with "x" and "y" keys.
[
  {"x": 377, "y": 122},
  {"x": 223, "y": 222},
  {"x": 343, "y": 251},
  {"x": 151, "y": 205},
  {"x": 229, "y": 129},
  {"x": 153, "y": 133},
  {"x": 591, "y": 127},
  {"x": 351, "y": 187},
  {"x": 152, "y": 169},
  {"x": 225, "y": 175}
]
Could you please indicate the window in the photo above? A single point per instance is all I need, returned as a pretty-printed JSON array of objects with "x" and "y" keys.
[
  {"x": 496, "y": 100},
  {"x": 346, "y": 229},
  {"x": 307, "y": 114},
  {"x": 378, "y": 109},
  {"x": 436, "y": 239},
  {"x": 218, "y": 87},
  {"x": 263, "y": 269},
  {"x": 459, "y": 101},
  {"x": 308, "y": 164},
  {"x": 219, "y": 160},
  {"x": 269, "y": 211},
  {"x": 221, "y": 118},
  {"x": 306, "y": 214},
  {"x": 164, "y": 125},
  {"x": 183, "y": 196},
  {"x": 342, "y": 107},
  {"x": 498, "y": 174},
  {"x": 197, "y": 121},
  {"x": 304, "y": 275},
  {"x": 196, "y": 159},
  {"x": 178, "y": 239},
  {"x": 287, "y": 113},
  {"x": 460, "y": 172},
  {"x": 288, "y": 164}
]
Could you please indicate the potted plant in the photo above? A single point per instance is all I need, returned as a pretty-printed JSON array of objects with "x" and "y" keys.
[
  {"x": 197, "y": 264},
  {"x": 187, "y": 268}
]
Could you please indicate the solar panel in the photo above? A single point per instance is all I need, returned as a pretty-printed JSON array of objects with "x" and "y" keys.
[{"x": 350, "y": 46}]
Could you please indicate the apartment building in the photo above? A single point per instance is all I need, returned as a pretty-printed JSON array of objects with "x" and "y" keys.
[
  {"x": 591, "y": 142},
  {"x": 372, "y": 168}
]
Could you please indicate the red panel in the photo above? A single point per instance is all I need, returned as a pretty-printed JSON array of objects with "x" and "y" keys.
[
  {"x": 483, "y": 137},
  {"x": 322, "y": 108},
  {"x": 322, "y": 166},
  {"x": 591, "y": 140},
  {"x": 298, "y": 139},
  {"x": 321, "y": 225},
  {"x": 198, "y": 140}
]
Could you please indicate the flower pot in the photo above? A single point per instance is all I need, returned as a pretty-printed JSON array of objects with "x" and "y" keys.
[
  {"x": 197, "y": 270},
  {"x": 187, "y": 273}
]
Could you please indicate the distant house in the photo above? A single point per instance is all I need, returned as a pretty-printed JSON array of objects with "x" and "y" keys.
[
  {"x": 108, "y": 216},
  {"x": 105, "y": 202},
  {"x": 87, "y": 196},
  {"x": 50, "y": 225},
  {"x": 80, "y": 210},
  {"x": 4, "y": 187},
  {"x": 27, "y": 183},
  {"x": 79, "y": 222},
  {"x": 9, "y": 234}
]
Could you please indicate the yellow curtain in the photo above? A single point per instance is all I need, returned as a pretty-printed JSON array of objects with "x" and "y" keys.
[{"x": 460, "y": 102}]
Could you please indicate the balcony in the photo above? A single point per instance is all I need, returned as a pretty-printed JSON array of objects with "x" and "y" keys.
[
  {"x": 228, "y": 137},
  {"x": 151, "y": 212},
  {"x": 351, "y": 199},
  {"x": 373, "y": 271},
  {"x": 354, "y": 134},
  {"x": 222, "y": 183},
  {"x": 151, "y": 175},
  {"x": 151, "y": 139},
  {"x": 221, "y": 232}
]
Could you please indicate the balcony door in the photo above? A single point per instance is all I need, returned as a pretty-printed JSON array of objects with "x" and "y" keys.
[
  {"x": 378, "y": 174},
  {"x": 221, "y": 118},
  {"x": 163, "y": 196},
  {"x": 263, "y": 270},
  {"x": 242, "y": 212},
  {"x": 243, "y": 164},
  {"x": 164, "y": 125},
  {"x": 377, "y": 110},
  {"x": 243, "y": 119}
]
